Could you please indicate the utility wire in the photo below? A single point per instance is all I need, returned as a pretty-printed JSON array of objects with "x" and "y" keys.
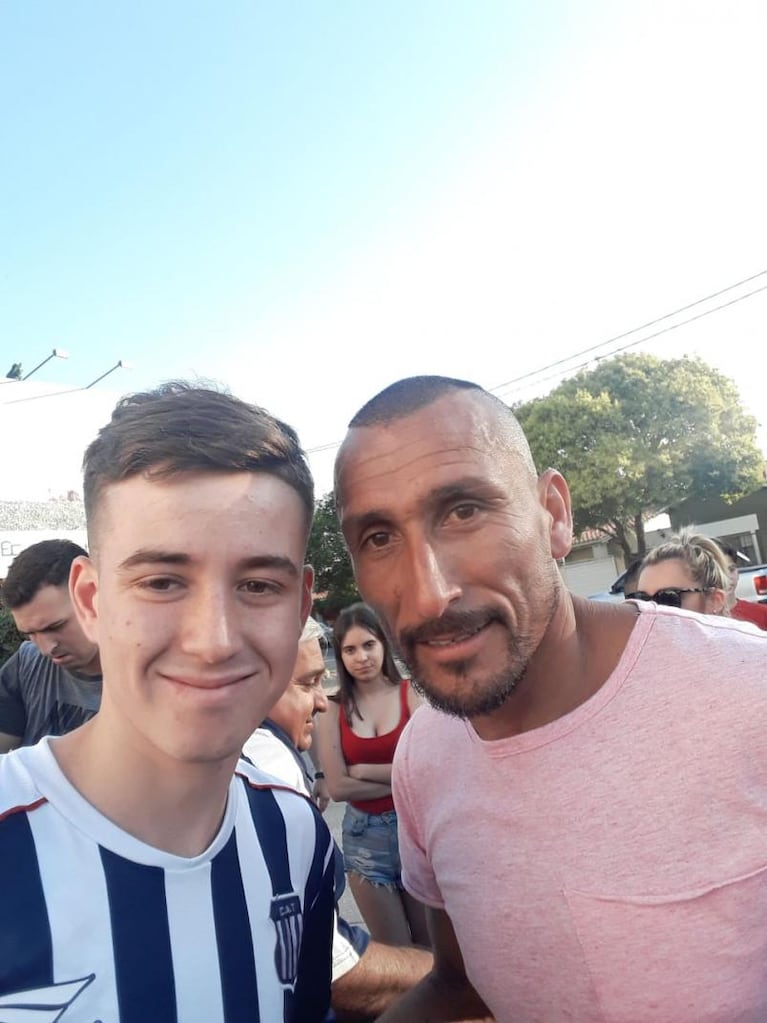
[
  {"x": 633, "y": 344},
  {"x": 634, "y": 330}
]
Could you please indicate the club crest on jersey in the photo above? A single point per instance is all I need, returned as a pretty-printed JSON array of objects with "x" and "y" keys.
[
  {"x": 42, "y": 1004},
  {"x": 289, "y": 922}
]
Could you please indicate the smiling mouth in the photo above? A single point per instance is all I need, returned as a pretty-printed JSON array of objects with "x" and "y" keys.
[
  {"x": 455, "y": 639},
  {"x": 210, "y": 685}
]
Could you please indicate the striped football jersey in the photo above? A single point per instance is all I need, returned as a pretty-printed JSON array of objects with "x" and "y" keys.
[{"x": 97, "y": 926}]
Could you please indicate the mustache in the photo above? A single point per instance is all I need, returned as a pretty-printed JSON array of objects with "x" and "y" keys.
[{"x": 449, "y": 624}]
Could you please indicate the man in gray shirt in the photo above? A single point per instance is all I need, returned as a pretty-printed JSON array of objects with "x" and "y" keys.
[{"x": 53, "y": 683}]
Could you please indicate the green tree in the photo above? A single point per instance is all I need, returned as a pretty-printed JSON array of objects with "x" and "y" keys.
[
  {"x": 10, "y": 637},
  {"x": 640, "y": 434},
  {"x": 327, "y": 553}
]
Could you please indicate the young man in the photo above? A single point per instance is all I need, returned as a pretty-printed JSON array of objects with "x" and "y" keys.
[
  {"x": 584, "y": 806},
  {"x": 53, "y": 683},
  {"x": 368, "y": 976},
  {"x": 144, "y": 873}
]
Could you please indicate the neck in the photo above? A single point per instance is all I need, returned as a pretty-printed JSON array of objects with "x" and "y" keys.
[
  {"x": 371, "y": 685},
  {"x": 579, "y": 651},
  {"x": 171, "y": 805}
]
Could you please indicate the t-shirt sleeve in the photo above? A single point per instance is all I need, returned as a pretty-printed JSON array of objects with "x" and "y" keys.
[
  {"x": 268, "y": 754},
  {"x": 417, "y": 875},
  {"x": 13, "y": 714}
]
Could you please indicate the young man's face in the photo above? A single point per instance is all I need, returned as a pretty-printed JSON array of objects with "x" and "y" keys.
[
  {"x": 51, "y": 623},
  {"x": 196, "y": 596}
]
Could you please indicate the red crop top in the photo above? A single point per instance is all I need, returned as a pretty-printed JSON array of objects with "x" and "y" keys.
[{"x": 377, "y": 750}]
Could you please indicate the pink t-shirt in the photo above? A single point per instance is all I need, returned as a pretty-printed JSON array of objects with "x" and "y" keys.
[{"x": 612, "y": 865}]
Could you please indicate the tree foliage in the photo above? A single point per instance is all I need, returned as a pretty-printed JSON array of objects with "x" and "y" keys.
[
  {"x": 640, "y": 434},
  {"x": 10, "y": 637},
  {"x": 333, "y": 573}
]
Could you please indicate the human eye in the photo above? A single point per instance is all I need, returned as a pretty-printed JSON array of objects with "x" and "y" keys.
[
  {"x": 159, "y": 584},
  {"x": 260, "y": 587},
  {"x": 463, "y": 511},
  {"x": 376, "y": 539}
]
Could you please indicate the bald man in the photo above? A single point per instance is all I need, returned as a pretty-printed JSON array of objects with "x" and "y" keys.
[{"x": 583, "y": 806}]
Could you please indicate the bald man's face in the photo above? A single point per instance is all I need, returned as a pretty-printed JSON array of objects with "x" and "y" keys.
[{"x": 453, "y": 541}]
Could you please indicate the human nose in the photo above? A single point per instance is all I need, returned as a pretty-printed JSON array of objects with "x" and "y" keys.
[
  {"x": 209, "y": 629},
  {"x": 427, "y": 589},
  {"x": 320, "y": 700},
  {"x": 46, "y": 643}
]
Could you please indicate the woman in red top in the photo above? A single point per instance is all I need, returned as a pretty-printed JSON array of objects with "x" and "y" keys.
[{"x": 357, "y": 738}]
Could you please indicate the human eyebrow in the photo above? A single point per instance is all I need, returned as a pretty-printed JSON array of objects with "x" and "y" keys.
[
  {"x": 358, "y": 524},
  {"x": 154, "y": 556},
  {"x": 53, "y": 626},
  {"x": 275, "y": 562},
  {"x": 310, "y": 678},
  {"x": 467, "y": 486}
]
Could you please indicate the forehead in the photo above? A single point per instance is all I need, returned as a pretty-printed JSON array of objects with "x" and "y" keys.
[
  {"x": 671, "y": 572},
  {"x": 357, "y": 634},
  {"x": 460, "y": 435},
  {"x": 202, "y": 512},
  {"x": 309, "y": 660},
  {"x": 49, "y": 604}
]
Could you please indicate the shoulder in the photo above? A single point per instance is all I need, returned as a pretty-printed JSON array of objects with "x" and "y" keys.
[
  {"x": 19, "y": 788},
  {"x": 426, "y": 736},
  {"x": 702, "y": 635},
  {"x": 25, "y": 661},
  {"x": 271, "y": 756},
  {"x": 332, "y": 714},
  {"x": 257, "y": 777}
]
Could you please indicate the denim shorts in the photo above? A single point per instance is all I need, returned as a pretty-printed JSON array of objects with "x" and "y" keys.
[{"x": 370, "y": 846}]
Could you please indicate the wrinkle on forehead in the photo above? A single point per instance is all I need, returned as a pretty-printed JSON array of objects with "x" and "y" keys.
[{"x": 375, "y": 450}]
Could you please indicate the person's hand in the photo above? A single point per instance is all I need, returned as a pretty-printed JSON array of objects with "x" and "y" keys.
[{"x": 320, "y": 794}]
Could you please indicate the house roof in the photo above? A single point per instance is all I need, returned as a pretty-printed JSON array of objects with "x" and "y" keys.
[{"x": 56, "y": 514}]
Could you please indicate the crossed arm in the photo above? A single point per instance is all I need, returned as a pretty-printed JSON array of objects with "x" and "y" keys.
[{"x": 343, "y": 785}]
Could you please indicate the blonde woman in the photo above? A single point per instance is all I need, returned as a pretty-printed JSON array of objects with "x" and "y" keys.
[{"x": 687, "y": 571}]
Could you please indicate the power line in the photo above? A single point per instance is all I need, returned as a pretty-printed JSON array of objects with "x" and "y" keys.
[
  {"x": 639, "y": 341},
  {"x": 618, "y": 337},
  {"x": 634, "y": 330}
]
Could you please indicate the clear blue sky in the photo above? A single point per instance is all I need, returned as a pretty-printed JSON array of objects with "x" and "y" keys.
[{"x": 306, "y": 200}]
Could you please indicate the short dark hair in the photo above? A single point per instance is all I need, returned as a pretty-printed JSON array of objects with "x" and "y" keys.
[
  {"x": 364, "y": 616},
  {"x": 46, "y": 563},
  {"x": 181, "y": 427},
  {"x": 404, "y": 397}
]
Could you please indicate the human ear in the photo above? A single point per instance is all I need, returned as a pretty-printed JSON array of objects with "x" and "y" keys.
[
  {"x": 715, "y": 602},
  {"x": 83, "y": 591},
  {"x": 307, "y": 584},
  {"x": 554, "y": 495}
]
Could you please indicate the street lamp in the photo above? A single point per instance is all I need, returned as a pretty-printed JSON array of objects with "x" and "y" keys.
[
  {"x": 120, "y": 363},
  {"x": 57, "y": 353}
]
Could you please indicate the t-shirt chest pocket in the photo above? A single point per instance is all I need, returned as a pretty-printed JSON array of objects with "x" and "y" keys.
[{"x": 694, "y": 957}]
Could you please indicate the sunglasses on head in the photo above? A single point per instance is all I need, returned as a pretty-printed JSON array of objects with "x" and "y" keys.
[{"x": 670, "y": 596}]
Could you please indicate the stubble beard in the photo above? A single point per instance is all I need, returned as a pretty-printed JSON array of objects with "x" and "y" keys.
[{"x": 481, "y": 696}]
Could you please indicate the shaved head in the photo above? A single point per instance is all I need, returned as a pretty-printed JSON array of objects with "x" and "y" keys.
[{"x": 410, "y": 395}]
